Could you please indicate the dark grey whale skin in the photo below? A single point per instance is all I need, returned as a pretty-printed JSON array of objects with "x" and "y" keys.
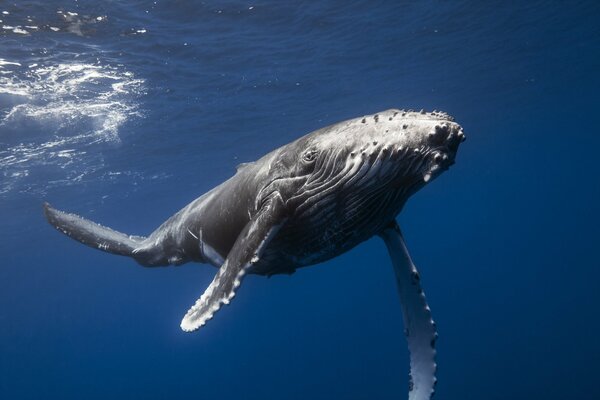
[
  {"x": 302, "y": 204},
  {"x": 326, "y": 212}
]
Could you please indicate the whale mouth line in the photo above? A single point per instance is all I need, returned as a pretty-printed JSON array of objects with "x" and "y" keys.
[{"x": 423, "y": 163}]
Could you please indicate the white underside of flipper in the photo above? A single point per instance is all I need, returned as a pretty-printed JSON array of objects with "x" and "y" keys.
[
  {"x": 219, "y": 292},
  {"x": 246, "y": 252},
  {"x": 419, "y": 327}
]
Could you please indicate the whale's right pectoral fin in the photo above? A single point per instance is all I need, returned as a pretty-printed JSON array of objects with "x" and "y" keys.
[
  {"x": 246, "y": 251},
  {"x": 419, "y": 327}
]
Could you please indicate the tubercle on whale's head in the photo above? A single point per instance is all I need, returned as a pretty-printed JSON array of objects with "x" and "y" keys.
[
  {"x": 433, "y": 138},
  {"x": 397, "y": 149},
  {"x": 414, "y": 142}
]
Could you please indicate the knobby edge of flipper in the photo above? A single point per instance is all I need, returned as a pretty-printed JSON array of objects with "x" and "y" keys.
[
  {"x": 91, "y": 233},
  {"x": 420, "y": 329},
  {"x": 246, "y": 251}
]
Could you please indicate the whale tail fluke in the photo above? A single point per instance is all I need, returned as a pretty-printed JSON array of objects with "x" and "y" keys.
[{"x": 91, "y": 233}]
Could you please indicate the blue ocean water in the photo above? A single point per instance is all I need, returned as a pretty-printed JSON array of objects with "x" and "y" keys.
[{"x": 126, "y": 111}]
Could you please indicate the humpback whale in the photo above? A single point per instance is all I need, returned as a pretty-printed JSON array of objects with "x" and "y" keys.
[{"x": 302, "y": 204}]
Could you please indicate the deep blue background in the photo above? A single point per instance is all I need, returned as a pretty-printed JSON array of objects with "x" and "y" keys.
[{"x": 506, "y": 241}]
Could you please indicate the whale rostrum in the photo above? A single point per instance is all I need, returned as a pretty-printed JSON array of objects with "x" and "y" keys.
[{"x": 302, "y": 204}]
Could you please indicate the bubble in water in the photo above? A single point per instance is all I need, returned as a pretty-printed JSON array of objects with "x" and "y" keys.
[{"x": 50, "y": 115}]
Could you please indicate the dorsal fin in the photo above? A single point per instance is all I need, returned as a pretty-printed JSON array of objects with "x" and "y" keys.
[{"x": 243, "y": 165}]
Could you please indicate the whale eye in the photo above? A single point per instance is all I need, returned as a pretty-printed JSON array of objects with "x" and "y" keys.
[{"x": 310, "y": 156}]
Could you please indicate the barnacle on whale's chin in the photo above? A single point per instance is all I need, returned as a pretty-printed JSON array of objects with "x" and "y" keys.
[
  {"x": 438, "y": 162},
  {"x": 445, "y": 138}
]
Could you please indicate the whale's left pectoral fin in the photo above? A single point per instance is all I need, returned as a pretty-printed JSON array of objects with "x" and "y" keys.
[{"x": 246, "y": 251}]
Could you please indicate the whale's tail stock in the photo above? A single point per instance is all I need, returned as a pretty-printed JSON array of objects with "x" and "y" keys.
[{"x": 93, "y": 234}]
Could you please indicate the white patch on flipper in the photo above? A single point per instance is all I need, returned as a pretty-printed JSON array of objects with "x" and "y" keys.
[
  {"x": 211, "y": 300},
  {"x": 208, "y": 252},
  {"x": 419, "y": 327},
  {"x": 195, "y": 317},
  {"x": 212, "y": 255}
]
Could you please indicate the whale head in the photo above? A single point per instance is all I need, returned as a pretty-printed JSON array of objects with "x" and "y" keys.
[
  {"x": 394, "y": 146},
  {"x": 386, "y": 156}
]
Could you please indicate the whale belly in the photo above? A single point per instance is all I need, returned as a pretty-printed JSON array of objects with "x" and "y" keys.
[{"x": 327, "y": 230}]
